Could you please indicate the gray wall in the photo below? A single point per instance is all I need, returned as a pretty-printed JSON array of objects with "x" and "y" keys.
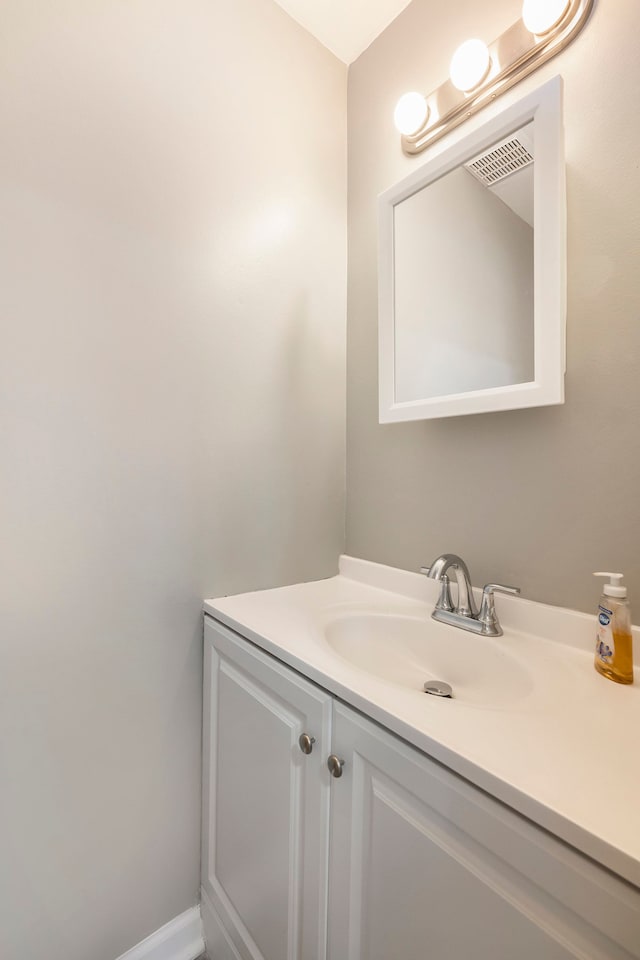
[
  {"x": 539, "y": 498},
  {"x": 172, "y": 311}
]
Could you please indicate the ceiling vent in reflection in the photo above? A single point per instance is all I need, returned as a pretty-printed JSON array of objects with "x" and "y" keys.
[{"x": 500, "y": 161}]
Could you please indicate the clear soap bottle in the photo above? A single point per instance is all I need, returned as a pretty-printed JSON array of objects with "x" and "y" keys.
[{"x": 614, "y": 644}]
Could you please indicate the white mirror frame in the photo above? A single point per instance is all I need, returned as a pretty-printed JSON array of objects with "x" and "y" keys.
[{"x": 545, "y": 107}]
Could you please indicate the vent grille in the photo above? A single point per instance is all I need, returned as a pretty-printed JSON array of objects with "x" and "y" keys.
[{"x": 499, "y": 162}]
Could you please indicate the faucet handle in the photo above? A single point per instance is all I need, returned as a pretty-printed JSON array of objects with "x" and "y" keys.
[
  {"x": 491, "y": 588},
  {"x": 488, "y": 616},
  {"x": 444, "y": 600}
]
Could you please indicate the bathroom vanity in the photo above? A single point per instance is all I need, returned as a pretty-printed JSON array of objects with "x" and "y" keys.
[{"x": 348, "y": 815}]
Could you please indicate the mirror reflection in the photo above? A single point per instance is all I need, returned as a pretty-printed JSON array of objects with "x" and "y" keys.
[{"x": 464, "y": 276}]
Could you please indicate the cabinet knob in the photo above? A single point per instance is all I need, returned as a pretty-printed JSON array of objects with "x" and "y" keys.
[
  {"x": 305, "y": 742},
  {"x": 335, "y": 765}
]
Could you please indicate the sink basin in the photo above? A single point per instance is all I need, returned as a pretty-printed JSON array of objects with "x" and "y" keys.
[{"x": 407, "y": 651}]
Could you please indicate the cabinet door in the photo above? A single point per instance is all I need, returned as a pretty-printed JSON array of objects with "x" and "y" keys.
[
  {"x": 423, "y": 865},
  {"x": 266, "y": 805}
]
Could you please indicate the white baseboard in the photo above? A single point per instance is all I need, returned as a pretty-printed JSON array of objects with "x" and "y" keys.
[{"x": 180, "y": 939}]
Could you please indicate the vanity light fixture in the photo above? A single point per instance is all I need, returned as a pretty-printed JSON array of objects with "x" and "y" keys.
[
  {"x": 540, "y": 16},
  {"x": 469, "y": 65},
  {"x": 411, "y": 113},
  {"x": 479, "y": 74}
]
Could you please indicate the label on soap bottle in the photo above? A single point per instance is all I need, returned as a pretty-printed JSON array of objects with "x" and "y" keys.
[{"x": 605, "y": 645}]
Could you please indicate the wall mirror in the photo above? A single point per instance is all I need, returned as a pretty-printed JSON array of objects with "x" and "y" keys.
[{"x": 472, "y": 271}]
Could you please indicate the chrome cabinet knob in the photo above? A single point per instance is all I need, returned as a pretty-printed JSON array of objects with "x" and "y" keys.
[
  {"x": 335, "y": 765},
  {"x": 305, "y": 742}
]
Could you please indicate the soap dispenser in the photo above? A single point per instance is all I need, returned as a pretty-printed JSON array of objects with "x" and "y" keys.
[{"x": 614, "y": 650}]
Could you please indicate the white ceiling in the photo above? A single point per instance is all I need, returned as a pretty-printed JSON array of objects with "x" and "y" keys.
[{"x": 346, "y": 27}]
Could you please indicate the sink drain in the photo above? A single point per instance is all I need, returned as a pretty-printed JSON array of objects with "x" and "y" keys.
[{"x": 438, "y": 688}]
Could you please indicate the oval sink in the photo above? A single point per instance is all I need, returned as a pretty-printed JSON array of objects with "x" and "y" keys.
[{"x": 407, "y": 651}]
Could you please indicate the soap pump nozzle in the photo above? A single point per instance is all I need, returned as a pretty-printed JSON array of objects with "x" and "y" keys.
[{"x": 614, "y": 588}]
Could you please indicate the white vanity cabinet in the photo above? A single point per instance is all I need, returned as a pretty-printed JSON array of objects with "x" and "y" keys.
[
  {"x": 424, "y": 865},
  {"x": 265, "y": 805},
  {"x": 397, "y": 859}
]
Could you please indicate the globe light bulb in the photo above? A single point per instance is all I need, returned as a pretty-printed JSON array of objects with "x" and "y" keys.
[
  {"x": 540, "y": 16},
  {"x": 469, "y": 65},
  {"x": 410, "y": 113}
]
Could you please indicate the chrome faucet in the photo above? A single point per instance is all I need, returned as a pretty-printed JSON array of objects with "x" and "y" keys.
[{"x": 464, "y": 614}]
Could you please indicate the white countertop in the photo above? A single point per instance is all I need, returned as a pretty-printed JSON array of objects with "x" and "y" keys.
[{"x": 566, "y": 755}]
